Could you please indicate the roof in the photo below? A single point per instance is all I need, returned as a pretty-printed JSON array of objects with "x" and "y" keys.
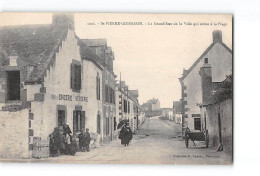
[
  {"x": 34, "y": 44},
  {"x": 95, "y": 42},
  {"x": 224, "y": 92},
  {"x": 134, "y": 92},
  {"x": 87, "y": 53},
  {"x": 186, "y": 72},
  {"x": 153, "y": 101}
]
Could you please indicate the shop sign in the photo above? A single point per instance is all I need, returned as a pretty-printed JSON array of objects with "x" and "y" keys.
[{"x": 71, "y": 98}]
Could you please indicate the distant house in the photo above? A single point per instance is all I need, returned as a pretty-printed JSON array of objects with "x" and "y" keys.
[
  {"x": 177, "y": 116},
  {"x": 155, "y": 104},
  {"x": 217, "y": 115},
  {"x": 219, "y": 56},
  {"x": 125, "y": 104}
]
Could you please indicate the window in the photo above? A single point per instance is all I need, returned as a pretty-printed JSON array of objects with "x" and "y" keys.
[
  {"x": 125, "y": 106},
  {"x": 98, "y": 87},
  {"x": 78, "y": 121},
  {"x": 61, "y": 117},
  {"x": 128, "y": 107},
  {"x": 197, "y": 123},
  {"x": 98, "y": 124},
  {"x": 115, "y": 124},
  {"x": 107, "y": 93},
  {"x": 111, "y": 95},
  {"x": 13, "y": 85},
  {"x": 107, "y": 126},
  {"x": 75, "y": 77}
]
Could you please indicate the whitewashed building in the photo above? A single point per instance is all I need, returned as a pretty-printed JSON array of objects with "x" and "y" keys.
[
  {"x": 219, "y": 56},
  {"x": 47, "y": 76},
  {"x": 124, "y": 104}
]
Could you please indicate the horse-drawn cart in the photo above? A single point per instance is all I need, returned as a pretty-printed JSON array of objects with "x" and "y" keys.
[{"x": 196, "y": 136}]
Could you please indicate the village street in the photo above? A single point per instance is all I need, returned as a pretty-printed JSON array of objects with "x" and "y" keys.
[{"x": 157, "y": 142}]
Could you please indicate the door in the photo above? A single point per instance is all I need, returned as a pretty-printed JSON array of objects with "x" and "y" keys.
[
  {"x": 78, "y": 121},
  {"x": 219, "y": 128},
  {"x": 13, "y": 85},
  {"x": 61, "y": 117},
  {"x": 98, "y": 123}
]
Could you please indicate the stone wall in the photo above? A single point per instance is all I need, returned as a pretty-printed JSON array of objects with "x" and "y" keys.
[
  {"x": 212, "y": 123},
  {"x": 14, "y": 134}
]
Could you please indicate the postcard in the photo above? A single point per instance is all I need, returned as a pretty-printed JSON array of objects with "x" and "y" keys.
[{"x": 116, "y": 88}]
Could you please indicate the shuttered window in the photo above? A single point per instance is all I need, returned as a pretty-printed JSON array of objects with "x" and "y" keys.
[
  {"x": 107, "y": 93},
  {"x": 98, "y": 87},
  {"x": 75, "y": 77}
]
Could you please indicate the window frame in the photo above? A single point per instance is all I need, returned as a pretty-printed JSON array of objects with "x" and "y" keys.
[{"x": 76, "y": 76}]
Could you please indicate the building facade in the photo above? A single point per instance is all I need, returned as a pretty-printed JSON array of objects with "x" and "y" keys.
[
  {"x": 216, "y": 111},
  {"x": 48, "y": 76},
  {"x": 220, "y": 58},
  {"x": 125, "y": 104},
  {"x": 106, "y": 55}
]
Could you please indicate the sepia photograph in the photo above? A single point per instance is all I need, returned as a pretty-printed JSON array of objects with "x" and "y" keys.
[{"x": 116, "y": 88}]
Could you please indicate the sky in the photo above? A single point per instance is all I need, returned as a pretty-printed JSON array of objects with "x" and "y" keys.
[{"x": 150, "y": 58}]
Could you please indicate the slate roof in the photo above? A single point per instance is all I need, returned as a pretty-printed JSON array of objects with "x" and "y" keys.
[
  {"x": 87, "y": 53},
  {"x": 34, "y": 44},
  {"x": 134, "y": 92},
  {"x": 201, "y": 57},
  {"x": 224, "y": 92},
  {"x": 95, "y": 42}
]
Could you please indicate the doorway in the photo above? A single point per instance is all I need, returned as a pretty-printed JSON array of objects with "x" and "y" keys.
[
  {"x": 78, "y": 121},
  {"x": 219, "y": 128},
  {"x": 13, "y": 85}
]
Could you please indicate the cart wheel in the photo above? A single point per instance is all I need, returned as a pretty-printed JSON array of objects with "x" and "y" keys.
[{"x": 207, "y": 138}]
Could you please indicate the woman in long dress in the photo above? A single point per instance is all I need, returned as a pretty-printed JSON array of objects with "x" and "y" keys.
[{"x": 125, "y": 134}]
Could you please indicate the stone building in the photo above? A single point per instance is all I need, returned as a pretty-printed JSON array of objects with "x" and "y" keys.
[
  {"x": 124, "y": 104},
  {"x": 219, "y": 56},
  {"x": 133, "y": 94},
  {"x": 155, "y": 104},
  {"x": 216, "y": 111},
  {"x": 106, "y": 55},
  {"x": 47, "y": 76},
  {"x": 177, "y": 116}
]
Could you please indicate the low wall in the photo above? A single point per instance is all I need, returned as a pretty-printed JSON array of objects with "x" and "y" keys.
[{"x": 14, "y": 134}]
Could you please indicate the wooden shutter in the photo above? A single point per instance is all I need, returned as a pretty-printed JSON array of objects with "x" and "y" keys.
[
  {"x": 79, "y": 77},
  {"x": 97, "y": 87},
  {"x": 82, "y": 120},
  {"x": 72, "y": 76},
  {"x": 74, "y": 122}
]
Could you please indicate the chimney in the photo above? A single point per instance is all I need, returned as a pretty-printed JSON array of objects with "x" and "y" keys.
[
  {"x": 206, "y": 80},
  {"x": 217, "y": 36},
  {"x": 63, "y": 20}
]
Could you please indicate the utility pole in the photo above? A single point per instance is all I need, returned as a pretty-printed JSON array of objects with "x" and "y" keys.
[{"x": 121, "y": 97}]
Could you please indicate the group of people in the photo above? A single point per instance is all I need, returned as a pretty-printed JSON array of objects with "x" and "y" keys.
[
  {"x": 84, "y": 140},
  {"x": 62, "y": 141},
  {"x": 125, "y": 134}
]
